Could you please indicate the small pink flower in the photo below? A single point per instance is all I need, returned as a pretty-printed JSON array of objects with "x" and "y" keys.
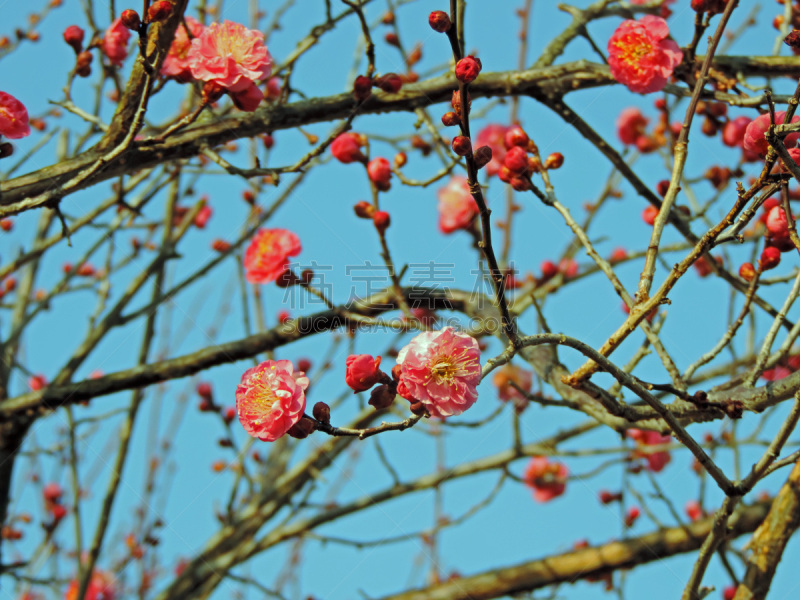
[
  {"x": 548, "y": 479},
  {"x": 176, "y": 63},
  {"x": 115, "y": 42},
  {"x": 656, "y": 461},
  {"x": 230, "y": 55},
  {"x": 493, "y": 135},
  {"x": 363, "y": 371},
  {"x": 631, "y": 125},
  {"x": 640, "y": 55},
  {"x": 267, "y": 256},
  {"x": 754, "y": 140},
  {"x": 346, "y": 148},
  {"x": 13, "y": 117},
  {"x": 568, "y": 267},
  {"x": 270, "y": 399},
  {"x": 101, "y": 587},
  {"x": 457, "y": 207},
  {"x": 442, "y": 370}
]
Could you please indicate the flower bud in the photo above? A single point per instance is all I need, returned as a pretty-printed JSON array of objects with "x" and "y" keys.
[
  {"x": 400, "y": 160},
  {"x": 83, "y": 64},
  {"x": 362, "y": 88},
  {"x": 467, "y": 69},
  {"x": 130, "y": 19},
  {"x": 381, "y": 397},
  {"x": 287, "y": 279},
  {"x": 770, "y": 258},
  {"x": 380, "y": 173},
  {"x": 219, "y": 245},
  {"x": 389, "y": 83},
  {"x": 439, "y": 21},
  {"x": 515, "y": 137},
  {"x": 159, "y": 11},
  {"x": 418, "y": 408},
  {"x": 482, "y": 156},
  {"x": 554, "y": 161},
  {"x": 793, "y": 39},
  {"x": 364, "y": 209},
  {"x": 73, "y": 35},
  {"x": 381, "y": 220},
  {"x": 302, "y": 429},
  {"x": 392, "y": 39},
  {"x": 6, "y": 150},
  {"x": 449, "y": 119},
  {"x": 322, "y": 412},
  {"x": 462, "y": 145},
  {"x": 747, "y": 271}
]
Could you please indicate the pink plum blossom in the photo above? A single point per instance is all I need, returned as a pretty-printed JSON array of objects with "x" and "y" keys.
[
  {"x": 271, "y": 398},
  {"x": 457, "y": 207},
  {"x": 641, "y": 56},
  {"x": 656, "y": 461},
  {"x": 754, "y": 140},
  {"x": 176, "y": 63},
  {"x": 233, "y": 57},
  {"x": 547, "y": 479},
  {"x": 631, "y": 125},
  {"x": 115, "y": 42},
  {"x": 13, "y": 117},
  {"x": 442, "y": 370},
  {"x": 267, "y": 256}
]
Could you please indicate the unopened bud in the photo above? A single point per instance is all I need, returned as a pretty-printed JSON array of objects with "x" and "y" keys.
[
  {"x": 439, "y": 21},
  {"x": 483, "y": 156},
  {"x": 400, "y": 160},
  {"x": 462, "y": 145},
  {"x": 381, "y": 397},
  {"x": 450, "y": 119},
  {"x": 322, "y": 412},
  {"x": 364, "y": 209},
  {"x": 83, "y": 64},
  {"x": 302, "y": 429},
  {"x": 73, "y": 35},
  {"x": 159, "y": 11},
  {"x": 381, "y": 220},
  {"x": 362, "y": 88},
  {"x": 554, "y": 161},
  {"x": 130, "y": 19}
]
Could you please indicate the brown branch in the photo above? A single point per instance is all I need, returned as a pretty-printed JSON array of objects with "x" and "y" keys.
[
  {"x": 585, "y": 563},
  {"x": 541, "y": 82}
]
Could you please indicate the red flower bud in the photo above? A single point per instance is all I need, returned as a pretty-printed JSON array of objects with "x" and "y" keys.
[
  {"x": 362, "y": 88},
  {"x": 468, "y": 68},
  {"x": 649, "y": 215},
  {"x": 554, "y": 161},
  {"x": 389, "y": 83},
  {"x": 449, "y": 119},
  {"x": 220, "y": 245},
  {"x": 462, "y": 145},
  {"x": 130, "y": 19},
  {"x": 381, "y": 220},
  {"x": 364, "y": 209},
  {"x": 83, "y": 64},
  {"x": 303, "y": 364},
  {"x": 159, "y": 11},
  {"x": 770, "y": 258},
  {"x": 363, "y": 372},
  {"x": 302, "y": 429},
  {"x": 515, "y": 137},
  {"x": 793, "y": 39},
  {"x": 380, "y": 172},
  {"x": 400, "y": 159},
  {"x": 747, "y": 271},
  {"x": 205, "y": 391},
  {"x": 346, "y": 148},
  {"x": 73, "y": 35},
  {"x": 516, "y": 160},
  {"x": 439, "y": 21},
  {"x": 6, "y": 150}
]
